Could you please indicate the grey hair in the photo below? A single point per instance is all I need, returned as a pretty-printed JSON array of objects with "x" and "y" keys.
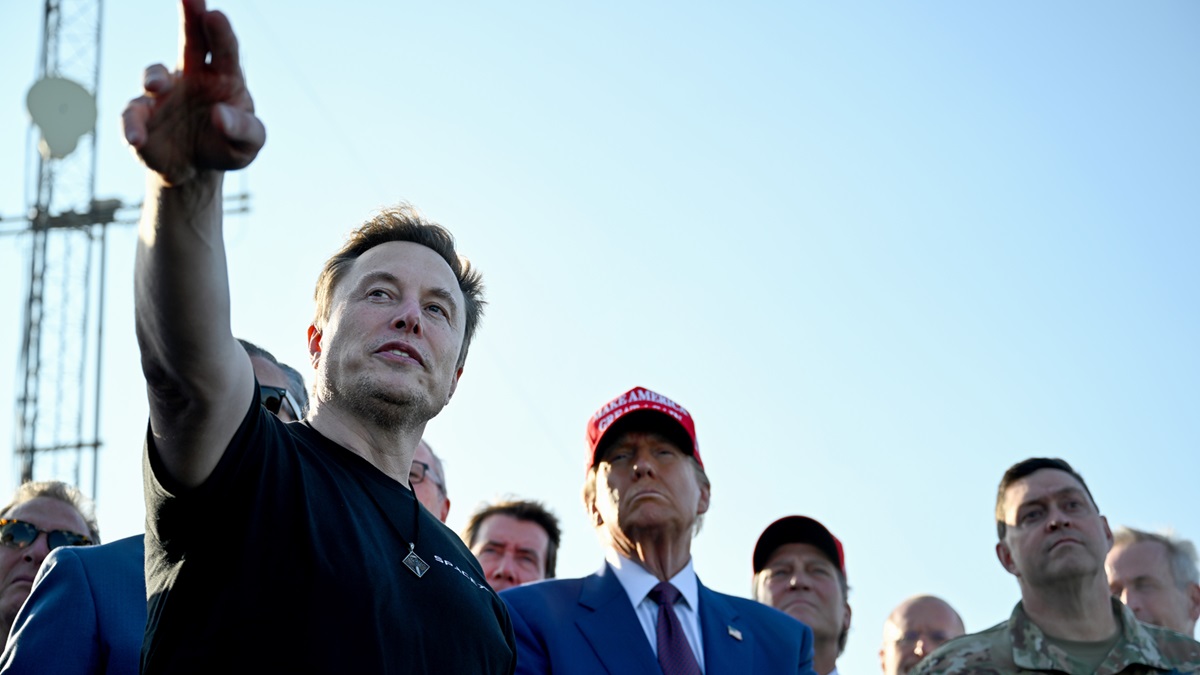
[
  {"x": 1180, "y": 552},
  {"x": 437, "y": 464},
  {"x": 63, "y": 492},
  {"x": 296, "y": 386}
]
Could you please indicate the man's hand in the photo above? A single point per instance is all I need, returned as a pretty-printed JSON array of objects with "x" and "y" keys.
[{"x": 199, "y": 117}]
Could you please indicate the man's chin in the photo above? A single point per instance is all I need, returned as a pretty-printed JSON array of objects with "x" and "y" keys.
[{"x": 386, "y": 406}]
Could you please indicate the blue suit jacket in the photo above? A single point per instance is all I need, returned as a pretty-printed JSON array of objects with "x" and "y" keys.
[
  {"x": 85, "y": 614},
  {"x": 587, "y": 627}
]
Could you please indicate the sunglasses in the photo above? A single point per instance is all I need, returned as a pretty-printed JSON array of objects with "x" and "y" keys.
[
  {"x": 273, "y": 398},
  {"x": 20, "y": 534}
]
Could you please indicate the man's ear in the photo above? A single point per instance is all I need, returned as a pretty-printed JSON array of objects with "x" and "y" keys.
[
  {"x": 314, "y": 345},
  {"x": 454, "y": 383},
  {"x": 590, "y": 503},
  {"x": 705, "y": 496},
  {"x": 1006, "y": 559},
  {"x": 1193, "y": 596}
]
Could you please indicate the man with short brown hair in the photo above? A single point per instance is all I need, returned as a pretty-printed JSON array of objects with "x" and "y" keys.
[
  {"x": 516, "y": 542},
  {"x": 275, "y": 547},
  {"x": 1053, "y": 540}
]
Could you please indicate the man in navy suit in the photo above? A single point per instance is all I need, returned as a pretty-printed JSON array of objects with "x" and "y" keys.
[
  {"x": 645, "y": 611},
  {"x": 87, "y": 610}
]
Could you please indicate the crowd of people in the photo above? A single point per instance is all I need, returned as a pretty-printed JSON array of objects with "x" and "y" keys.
[{"x": 294, "y": 530}]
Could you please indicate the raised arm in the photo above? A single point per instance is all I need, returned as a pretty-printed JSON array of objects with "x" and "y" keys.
[{"x": 188, "y": 127}]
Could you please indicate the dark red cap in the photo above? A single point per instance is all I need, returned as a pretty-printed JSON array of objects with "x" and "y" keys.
[
  {"x": 640, "y": 409},
  {"x": 798, "y": 530}
]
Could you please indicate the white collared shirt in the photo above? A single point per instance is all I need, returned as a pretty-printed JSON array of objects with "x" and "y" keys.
[{"x": 638, "y": 583}]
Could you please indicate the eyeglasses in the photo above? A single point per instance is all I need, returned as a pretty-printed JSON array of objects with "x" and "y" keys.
[
  {"x": 20, "y": 534},
  {"x": 910, "y": 638},
  {"x": 418, "y": 472},
  {"x": 272, "y": 399}
]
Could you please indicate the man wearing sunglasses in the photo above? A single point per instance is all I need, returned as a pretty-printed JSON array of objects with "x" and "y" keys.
[
  {"x": 42, "y": 515},
  {"x": 281, "y": 388},
  {"x": 98, "y": 594},
  {"x": 311, "y": 528}
]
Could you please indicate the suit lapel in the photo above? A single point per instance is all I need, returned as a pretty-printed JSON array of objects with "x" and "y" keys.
[
  {"x": 611, "y": 627},
  {"x": 721, "y": 628}
]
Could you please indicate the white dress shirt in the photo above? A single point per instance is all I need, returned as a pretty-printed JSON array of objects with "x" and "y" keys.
[{"x": 638, "y": 583}]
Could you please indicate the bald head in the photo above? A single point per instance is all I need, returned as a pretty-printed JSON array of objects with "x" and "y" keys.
[{"x": 918, "y": 626}]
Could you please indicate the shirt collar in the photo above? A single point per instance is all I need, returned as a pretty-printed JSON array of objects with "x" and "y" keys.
[
  {"x": 638, "y": 582},
  {"x": 1031, "y": 651}
]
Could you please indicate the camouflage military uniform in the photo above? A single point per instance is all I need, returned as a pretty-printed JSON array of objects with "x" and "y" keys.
[{"x": 1019, "y": 646}]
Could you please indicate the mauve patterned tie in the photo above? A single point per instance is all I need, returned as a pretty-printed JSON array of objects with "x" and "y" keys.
[{"x": 675, "y": 655}]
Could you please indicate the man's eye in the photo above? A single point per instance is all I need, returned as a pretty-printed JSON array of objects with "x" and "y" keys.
[
  {"x": 778, "y": 573},
  {"x": 437, "y": 309},
  {"x": 1030, "y": 516}
]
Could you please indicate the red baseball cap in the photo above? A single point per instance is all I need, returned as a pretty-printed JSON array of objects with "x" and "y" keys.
[
  {"x": 798, "y": 530},
  {"x": 640, "y": 409}
]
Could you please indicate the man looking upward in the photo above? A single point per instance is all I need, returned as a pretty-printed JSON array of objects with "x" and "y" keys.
[
  {"x": 1053, "y": 540},
  {"x": 645, "y": 612}
]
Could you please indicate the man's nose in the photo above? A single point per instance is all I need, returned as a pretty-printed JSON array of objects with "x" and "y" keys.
[
  {"x": 644, "y": 463},
  {"x": 505, "y": 567},
  {"x": 39, "y": 549},
  {"x": 799, "y": 580},
  {"x": 408, "y": 317}
]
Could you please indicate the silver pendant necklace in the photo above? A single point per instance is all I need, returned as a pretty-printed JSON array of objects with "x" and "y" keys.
[{"x": 412, "y": 561}]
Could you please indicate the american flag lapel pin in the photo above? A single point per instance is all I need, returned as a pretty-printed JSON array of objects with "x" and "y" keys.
[{"x": 735, "y": 633}]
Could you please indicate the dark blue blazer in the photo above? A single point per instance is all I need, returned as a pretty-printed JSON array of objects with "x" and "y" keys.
[
  {"x": 85, "y": 614},
  {"x": 587, "y": 627}
]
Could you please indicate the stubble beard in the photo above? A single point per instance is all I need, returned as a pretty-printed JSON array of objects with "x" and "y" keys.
[
  {"x": 376, "y": 405},
  {"x": 1060, "y": 574}
]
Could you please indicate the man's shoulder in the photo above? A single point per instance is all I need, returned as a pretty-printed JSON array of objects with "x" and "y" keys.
[
  {"x": 745, "y": 607},
  {"x": 546, "y": 592},
  {"x": 121, "y": 549},
  {"x": 988, "y": 650},
  {"x": 764, "y": 620},
  {"x": 1167, "y": 647}
]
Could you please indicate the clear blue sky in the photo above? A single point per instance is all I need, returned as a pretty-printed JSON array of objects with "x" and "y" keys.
[{"x": 882, "y": 251}]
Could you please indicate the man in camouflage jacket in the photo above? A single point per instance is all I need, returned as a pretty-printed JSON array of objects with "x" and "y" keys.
[{"x": 1054, "y": 541}]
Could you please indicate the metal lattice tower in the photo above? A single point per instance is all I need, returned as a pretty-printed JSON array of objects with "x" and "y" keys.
[{"x": 58, "y": 384}]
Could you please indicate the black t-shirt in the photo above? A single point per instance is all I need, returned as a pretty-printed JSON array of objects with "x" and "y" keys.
[{"x": 288, "y": 559}]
